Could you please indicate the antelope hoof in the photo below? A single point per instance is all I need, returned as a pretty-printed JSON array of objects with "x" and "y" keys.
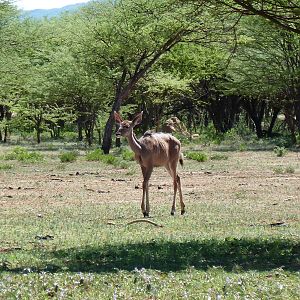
[
  {"x": 182, "y": 212},
  {"x": 172, "y": 213},
  {"x": 146, "y": 214}
]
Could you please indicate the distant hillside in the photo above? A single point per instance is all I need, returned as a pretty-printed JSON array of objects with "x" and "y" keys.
[{"x": 54, "y": 12}]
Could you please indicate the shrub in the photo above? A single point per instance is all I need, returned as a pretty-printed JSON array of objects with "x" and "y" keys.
[
  {"x": 127, "y": 155},
  {"x": 69, "y": 156},
  {"x": 70, "y": 136},
  {"x": 280, "y": 151},
  {"x": 109, "y": 159},
  {"x": 290, "y": 170},
  {"x": 95, "y": 155},
  {"x": 22, "y": 154},
  {"x": 287, "y": 170},
  {"x": 117, "y": 161},
  {"x": 198, "y": 156},
  {"x": 219, "y": 157},
  {"x": 4, "y": 167}
]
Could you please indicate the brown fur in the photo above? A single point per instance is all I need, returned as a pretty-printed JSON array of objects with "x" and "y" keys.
[{"x": 153, "y": 150}]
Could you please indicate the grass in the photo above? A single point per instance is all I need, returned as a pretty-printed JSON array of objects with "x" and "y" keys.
[
  {"x": 223, "y": 248},
  {"x": 284, "y": 170},
  {"x": 23, "y": 155},
  {"x": 69, "y": 156},
  {"x": 280, "y": 151},
  {"x": 4, "y": 167},
  {"x": 198, "y": 156},
  {"x": 119, "y": 158}
]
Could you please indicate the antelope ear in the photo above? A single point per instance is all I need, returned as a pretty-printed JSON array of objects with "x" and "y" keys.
[
  {"x": 137, "y": 119},
  {"x": 118, "y": 118}
]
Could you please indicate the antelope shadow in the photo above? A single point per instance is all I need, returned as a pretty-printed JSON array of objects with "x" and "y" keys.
[{"x": 247, "y": 254}]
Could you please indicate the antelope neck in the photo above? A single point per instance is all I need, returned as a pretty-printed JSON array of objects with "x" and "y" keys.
[{"x": 134, "y": 143}]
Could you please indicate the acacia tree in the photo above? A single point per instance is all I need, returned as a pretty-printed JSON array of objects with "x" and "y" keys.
[
  {"x": 265, "y": 71},
  {"x": 126, "y": 39},
  {"x": 9, "y": 65},
  {"x": 283, "y": 13}
]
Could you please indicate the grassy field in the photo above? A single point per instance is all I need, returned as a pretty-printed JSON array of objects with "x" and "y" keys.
[{"x": 65, "y": 234}]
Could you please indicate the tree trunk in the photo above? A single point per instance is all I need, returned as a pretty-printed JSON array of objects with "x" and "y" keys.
[
  {"x": 256, "y": 110},
  {"x": 80, "y": 130},
  {"x": 5, "y": 134},
  {"x": 38, "y": 135},
  {"x": 290, "y": 121},
  {"x": 106, "y": 144},
  {"x": 223, "y": 112},
  {"x": 273, "y": 120}
]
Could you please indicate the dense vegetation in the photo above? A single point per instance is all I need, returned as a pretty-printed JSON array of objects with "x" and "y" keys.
[{"x": 218, "y": 64}]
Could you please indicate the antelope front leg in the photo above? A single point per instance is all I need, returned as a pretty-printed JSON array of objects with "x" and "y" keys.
[
  {"x": 146, "y": 174},
  {"x": 146, "y": 210}
]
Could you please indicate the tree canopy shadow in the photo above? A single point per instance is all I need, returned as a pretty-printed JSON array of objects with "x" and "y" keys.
[{"x": 248, "y": 254}]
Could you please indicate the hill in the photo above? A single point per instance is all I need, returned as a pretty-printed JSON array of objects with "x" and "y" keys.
[{"x": 54, "y": 12}]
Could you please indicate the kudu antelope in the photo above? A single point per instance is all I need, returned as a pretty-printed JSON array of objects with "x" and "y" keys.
[{"x": 153, "y": 150}]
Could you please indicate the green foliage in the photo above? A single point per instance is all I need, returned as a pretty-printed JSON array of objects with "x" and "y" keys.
[
  {"x": 198, "y": 156},
  {"x": 209, "y": 135},
  {"x": 120, "y": 159},
  {"x": 280, "y": 151},
  {"x": 22, "y": 154},
  {"x": 284, "y": 170},
  {"x": 95, "y": 155},
  {"x": 5, "y": 167},
  {"x": 69, "y": 156},
  {"x": 219, "y": 157},
  {"x": 125, "y": 153}
]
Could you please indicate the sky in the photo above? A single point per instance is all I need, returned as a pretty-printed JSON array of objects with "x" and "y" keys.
[{"x": 45, "y": 4}]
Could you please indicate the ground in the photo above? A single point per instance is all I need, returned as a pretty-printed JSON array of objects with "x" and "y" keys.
[{"x": 64, "y": 233}]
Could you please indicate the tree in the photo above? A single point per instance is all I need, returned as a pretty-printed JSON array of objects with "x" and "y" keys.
[
  {"x": 126, "y": 40},
  {"x": 265, "y": 71},
  {"x": 283, "y": 13}
]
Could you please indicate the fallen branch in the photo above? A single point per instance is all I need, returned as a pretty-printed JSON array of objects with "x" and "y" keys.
[
  {"x": 144, "y": 221},
  {"x": 135, "y": 221}
]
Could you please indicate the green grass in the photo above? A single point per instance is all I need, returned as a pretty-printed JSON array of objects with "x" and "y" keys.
[
  {"x": 5, "y": 167},
  {"x": 219, "y": 157},
  {"x": 280, "y": 151},
  {"x": 197, "y": 155},
  {"x": 23, "y": 155},
  {"x": 223, "y": 247},
  {"x": 69, "y": 156},
  {"x": 120, "y": 158},
  {"x": 284, "y": 170}
]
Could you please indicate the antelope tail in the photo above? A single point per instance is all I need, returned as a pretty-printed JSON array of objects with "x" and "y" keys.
[{"x": 181, "y": 159}]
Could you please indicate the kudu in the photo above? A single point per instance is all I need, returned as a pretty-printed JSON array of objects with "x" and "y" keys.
[{"x": 153, "y": 150}]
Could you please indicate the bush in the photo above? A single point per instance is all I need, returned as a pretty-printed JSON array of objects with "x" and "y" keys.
[
  {"x": 127, "y": 155},
  {"x": 4, "y": 167},
  {"x": 22, "y": 154},
  {"x": 95, "y": 155},
  {"x": 69, "y": 156},
  {"x": 219, "y": 157},
  {"x": 287, "y": 170},
  {"x": 198, "y": 156},
  {"x": 280, "y": 151},
  {"x": 70, "y": 136},
  {"x": 109, "y": 159}
]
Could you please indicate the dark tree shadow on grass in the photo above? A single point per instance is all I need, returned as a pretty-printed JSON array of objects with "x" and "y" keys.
[{"x": 248, "y": 254}]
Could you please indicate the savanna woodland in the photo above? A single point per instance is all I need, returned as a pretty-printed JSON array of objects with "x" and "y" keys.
[{"x": 228, "y": 73}]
